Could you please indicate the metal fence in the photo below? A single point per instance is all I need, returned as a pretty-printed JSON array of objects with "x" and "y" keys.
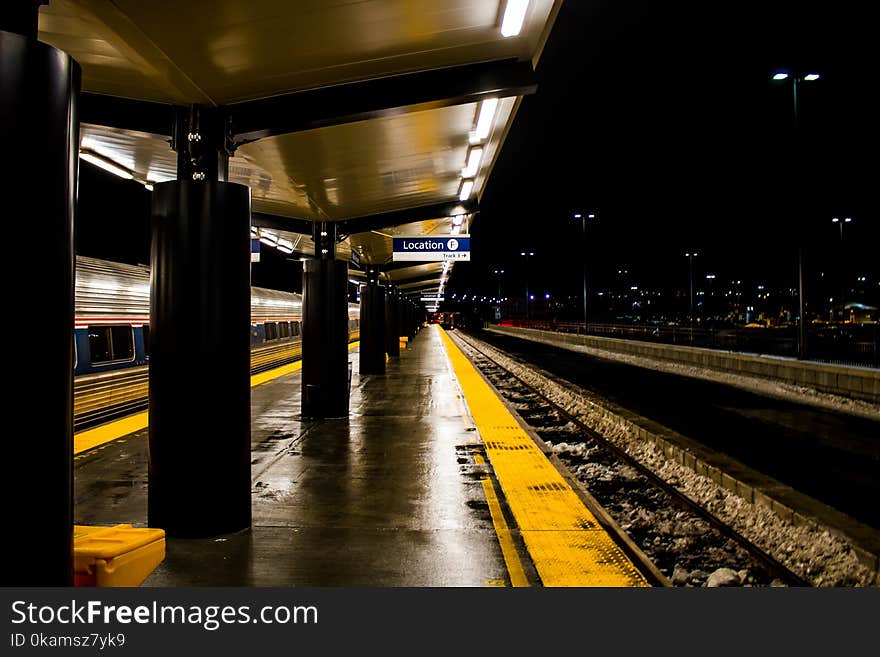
[{"x": 840, "y": 344}]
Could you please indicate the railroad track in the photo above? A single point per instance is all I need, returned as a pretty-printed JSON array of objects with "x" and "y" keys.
[{"x": 764, "y": 568}]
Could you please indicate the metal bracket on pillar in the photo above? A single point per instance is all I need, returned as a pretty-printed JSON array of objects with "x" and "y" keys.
[
  {"x": 372, "y": 274},
  {"x": 203, "y": 140},
  {"x": 324, "y": 236},
  {"x": 21, "y": 17}
]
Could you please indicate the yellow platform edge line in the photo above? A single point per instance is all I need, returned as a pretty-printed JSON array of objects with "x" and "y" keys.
[
  {"x": 564, "y": 540},
  {"x": 505, "y": 538},
  {"x": 91, "y": 438}
]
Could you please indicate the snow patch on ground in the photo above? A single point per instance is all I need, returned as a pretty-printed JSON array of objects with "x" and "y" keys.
[
  {"x": 777, "y": 389},
  {"x": 820, "y": 557}
]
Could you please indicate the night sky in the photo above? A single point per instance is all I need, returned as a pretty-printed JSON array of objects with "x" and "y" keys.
[{"x": 661, "y": 118}]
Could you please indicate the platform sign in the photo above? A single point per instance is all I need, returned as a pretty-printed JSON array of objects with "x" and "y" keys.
[
  {"x": 355, "y": 259},
  {"x": 434, "y": 298},
  {"x": 255, "y": 249},
  {"x": 433, "y": 248}
]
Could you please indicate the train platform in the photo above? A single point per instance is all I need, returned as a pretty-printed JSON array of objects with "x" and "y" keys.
[{"x": 431, "y": 481}]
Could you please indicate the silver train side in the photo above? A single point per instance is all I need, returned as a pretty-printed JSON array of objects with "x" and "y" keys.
[{"x": 111, "y": 337}]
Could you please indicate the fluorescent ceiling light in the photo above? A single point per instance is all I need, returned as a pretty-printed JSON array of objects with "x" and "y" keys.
[
  {"x": 268, "y": 238},
  {"x": 780, "y": 76},
  {"x": 283, "y": 243},
  {"x": 514, "y": 15},
  {"x": 456, "y": 230},
  {"x": 284, "y": 249},
  {"x": 148, "y": 186},
  {"x": 464, "y": 192},
  {"x": 107, "y": 165},
  {"x": 485, "y": 118},
  {"x": 458, "y": 220},
  {"x": 473, "y": 162},
  {"x": 809, "y": 77}
]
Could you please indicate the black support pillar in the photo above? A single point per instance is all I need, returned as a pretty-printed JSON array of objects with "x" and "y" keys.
[
  {"x": 372, "y": 349},
  {"x": 39, "y": 130},
  {"x": 325, "y": 375},
  {"x": 392, "y": 310},
  {"x": 200, "y": 479}
]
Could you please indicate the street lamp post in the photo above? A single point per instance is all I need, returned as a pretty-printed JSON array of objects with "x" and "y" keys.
[
  {"x": 841, "y": 222},
  {"x": 691, "y": 255},
  {"x": 527, "y": 255},
  {"x": 583, "y": 218},
  {"x": 498, "y": 273},
  {"x": 796, "y": 79}
]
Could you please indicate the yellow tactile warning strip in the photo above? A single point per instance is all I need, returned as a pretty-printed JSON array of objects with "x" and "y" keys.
[
  {"x": 566, "y": 543},
  {"x": 91, "y": 438},
  {"x": 505, "y": 538}
]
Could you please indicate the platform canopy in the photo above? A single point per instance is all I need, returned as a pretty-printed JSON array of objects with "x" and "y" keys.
[{"x": 362, "y": 112}]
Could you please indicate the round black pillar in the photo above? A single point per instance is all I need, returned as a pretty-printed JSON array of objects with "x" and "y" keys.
[
  {"x": 325, "y": 383},
  {"x": 403, "y": 330},
  {"x": 410, "y": 320},
  {"x": 200, "y": 472},
  {"x": 372, "y": 348},
  {"x": 392, "y": 337},
  {"x": 39, "y": 130}
]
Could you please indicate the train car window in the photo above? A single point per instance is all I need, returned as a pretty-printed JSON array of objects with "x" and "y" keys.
[
  {"x": 111, "y": 343},
  {"x": 146, "y": 331},
  {"x": 122, "y": 342},
  {"x": 283, "y": 329},
  {"x": 99, "y": 344},
  {"x": 271, "y": 330},
  {"x": 294, "y": 329}
]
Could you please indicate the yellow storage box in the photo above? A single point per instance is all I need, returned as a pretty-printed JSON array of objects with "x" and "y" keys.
[{"x": 115, "y": 556}]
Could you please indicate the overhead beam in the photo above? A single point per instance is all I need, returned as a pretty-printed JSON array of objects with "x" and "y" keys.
[
  {"x": 127, "y": 114},
  {"x": 410, "y": 282},
  {"x": 420, "y": 287},
  {"x": 277, "y": 222},
  {"x": 380, "y": 97},
  {"x": 369, "y": 222},
  {"x": 407, "y": 216}
]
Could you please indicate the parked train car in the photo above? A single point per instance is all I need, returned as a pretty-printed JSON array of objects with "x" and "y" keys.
[{"x": 112, "y": 337}]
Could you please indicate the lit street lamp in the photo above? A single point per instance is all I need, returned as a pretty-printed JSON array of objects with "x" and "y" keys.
[
  {"x": 527, "y": 255},
  {"x": 796, "y": 79},
  {"x": 691, "y": 255},
  {"x": 583, "y": 218},
  {"x": 841, "y": 222},
  {"x": 498, "y": 273}
]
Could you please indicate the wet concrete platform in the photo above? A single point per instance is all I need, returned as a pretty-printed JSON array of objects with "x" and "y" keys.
[{"x": 388, "y": 497}]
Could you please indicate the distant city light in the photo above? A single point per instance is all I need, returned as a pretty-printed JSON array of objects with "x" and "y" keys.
[
  {"x": 514, "y": 15},
  {"x": 531, "y": 297},
  {"x": 547, "y": 295}
]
